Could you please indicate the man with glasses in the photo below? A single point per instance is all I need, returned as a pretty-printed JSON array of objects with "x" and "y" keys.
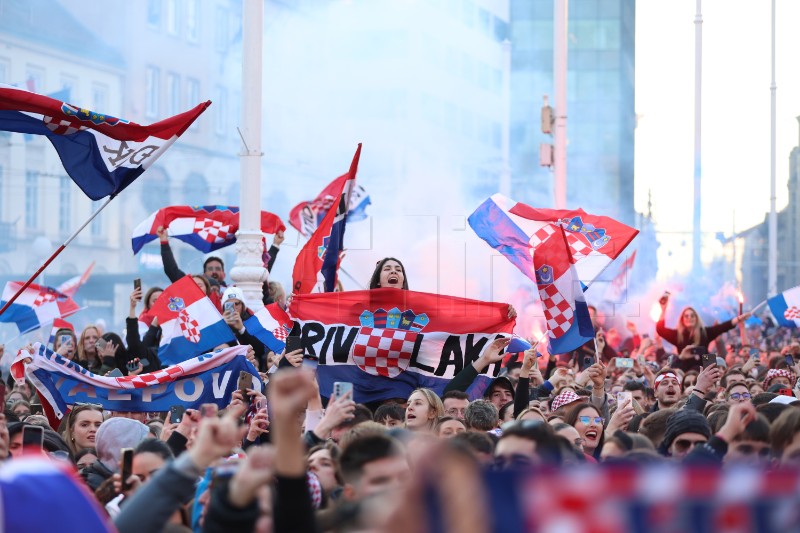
[
  {"x": 737, "y": 393},
  {"x": 685, "y": 429},
  {"x": 527, "y": 443},
  {"x": 455, "y": 403}
]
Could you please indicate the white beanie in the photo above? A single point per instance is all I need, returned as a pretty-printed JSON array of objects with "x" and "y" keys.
[{"x": 233, "y": 293}]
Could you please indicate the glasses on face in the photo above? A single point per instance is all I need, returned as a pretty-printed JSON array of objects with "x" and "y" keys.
[
  {"x": 506, "y": 462},
  {"x": 586, "y": 420},
  {"x": 683, "y": 445},
  {"x": 521, "y": 424},
  {"x": 740, "y": 396}
]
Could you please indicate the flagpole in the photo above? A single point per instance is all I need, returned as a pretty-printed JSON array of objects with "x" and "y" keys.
[{"x": 54, "y": 255}]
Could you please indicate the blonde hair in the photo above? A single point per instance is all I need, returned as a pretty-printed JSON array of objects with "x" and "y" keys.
[
  {"x": 434, "y": 402},
  {"x": 534, "y": 410},
  {"x": 81, "y": 349},
  {"x": 695, "y": 336}
]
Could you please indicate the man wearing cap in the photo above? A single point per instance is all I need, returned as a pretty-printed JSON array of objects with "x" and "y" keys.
[
  {"x": 235, "y": 318},
  {"x": 685, "y": 429},
  {"x": 780, "y": 376},
  {"x": 668, "y": 388}
]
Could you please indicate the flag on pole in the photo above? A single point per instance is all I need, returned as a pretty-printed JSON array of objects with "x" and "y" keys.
[
  {"x": 569, "y": 325},
  {"x": 102, "y": 154},
  {"x": 318, "y": 261},
  {"x": 190, "y": 324},
  {"x": 36, "y": 306},
  {"x": 206, "y": 228},
  {"x": 305, "y": 217},
  {"x": 271, "y": 325},
  {"x": 785, "y": 307},
  {"x": 59, "y": 324},
  {"x": 617, "y": 291},
  {"x": 515, "y": 230},
  {"x": 71, "y": 286}
]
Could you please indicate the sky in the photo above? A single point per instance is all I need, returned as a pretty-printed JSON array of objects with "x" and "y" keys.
[{"x": 735, "y": 154}]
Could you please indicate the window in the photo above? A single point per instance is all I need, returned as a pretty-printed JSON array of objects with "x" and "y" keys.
[
  {"x": 99, "y": 97},
  {"x": 151, "y": 96},
  {"x": 221, "y": 115},
  {"x": 173, "y": 94},
  {"x": 192, "y": 24},
  {"x": 221, "y": 24},
  {"x": 65, "y": 204},
  {"x": 97, "y": 223},
  {"x": 32, "y": 199},
  {"x": 193, "y": 98},
  {"x": 154, "y": 13},
  {"x": 171, "y": 17}
]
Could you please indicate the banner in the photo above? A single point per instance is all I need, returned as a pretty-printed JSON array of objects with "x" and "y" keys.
[
  {"x": 388, "y": 342},
  {"x": 208, "y": 378}
]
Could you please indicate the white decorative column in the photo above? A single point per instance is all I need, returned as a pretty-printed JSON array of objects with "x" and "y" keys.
[{"x": 248, "y": 272}]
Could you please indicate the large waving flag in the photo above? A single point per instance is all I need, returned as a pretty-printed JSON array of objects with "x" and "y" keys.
[
  {"x": 190, "y": 324},
  {"x": 208, "y": 378},
  {"x": 36, "y": 306},
  {"x": 566, "y": 314},
  {"x": 515, "y": 230},
  {"x": 271, "y": 325},
  {"x": 71, "y": 286},
  {"x": 388, "y": 342},
  {"x": 206, "y": 228},
  {"x": 318, "y": 261},
  {"x": 102, "y": 154},
  {"x": 305, "y": 217},
  {"x": 785, "y": 307}
]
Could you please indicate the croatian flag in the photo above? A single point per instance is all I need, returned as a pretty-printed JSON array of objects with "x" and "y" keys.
[
  {"x": 42, "y": 494},
  {"x": 785, "y": 308},
  {"x": 305, "y": 217},
  {"x": 190, "y": 324},
  {"x": 102, "y": 154},
  {"x": 569, "y": 325},
  {"x": 388, "y": 342},
  {"x": 36, "y": 306},
  {"x": 71, "y": 286},
  {"x": 515, "y": 230},
  {"x": 271, "y": 325},
  {"x": 617, "y": 291},
  {"x": 318, "y": 262},
  {"x": 205, "y": 228},
  {"x": 57, "y": 325}
]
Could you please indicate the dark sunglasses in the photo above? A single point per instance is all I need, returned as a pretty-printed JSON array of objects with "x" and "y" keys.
[{"x": 684, "y": 444}]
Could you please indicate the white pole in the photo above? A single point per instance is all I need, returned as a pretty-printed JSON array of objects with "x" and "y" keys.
[
  {"x": 698, "y": 82},
  {"x": 560, "y": 31},
  {"x": 772, "y": 275},
  {"x": 505, "y": 171},
  {"x": 249, "y": 272}
]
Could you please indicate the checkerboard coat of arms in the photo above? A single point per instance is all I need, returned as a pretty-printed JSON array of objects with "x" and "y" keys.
[{"x": 385, "y": 341}]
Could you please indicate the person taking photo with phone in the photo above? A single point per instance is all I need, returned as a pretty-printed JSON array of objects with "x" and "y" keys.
[{"x": 235, "y": 312}]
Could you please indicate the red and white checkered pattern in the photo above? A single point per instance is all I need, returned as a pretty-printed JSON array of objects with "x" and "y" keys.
[
  {"x": 61, "y": 127},
  {"x": 578, "y": 246},
  {"x": 280, "y": 333},
  {"x": 384, "y": 352},
  {"x": 43, "y": 298},
  {"x": 792, "y": 313},
  {"x": 164, "y": 375},
  {"x": 557, "y": 311},
  {"x": 212, "y": 231},
  {"x": 189, "y": 327}
]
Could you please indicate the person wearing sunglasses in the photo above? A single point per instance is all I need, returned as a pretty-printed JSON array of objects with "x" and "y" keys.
[
  {"x": 527, "y": 443},
  {"x": 737, "y": 393},
  {"x": 589, "y": 422},
  {"x": 685, "y": 430}
]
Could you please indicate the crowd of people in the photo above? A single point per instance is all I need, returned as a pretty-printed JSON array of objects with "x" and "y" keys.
[{"x": 291, "y": 460}]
